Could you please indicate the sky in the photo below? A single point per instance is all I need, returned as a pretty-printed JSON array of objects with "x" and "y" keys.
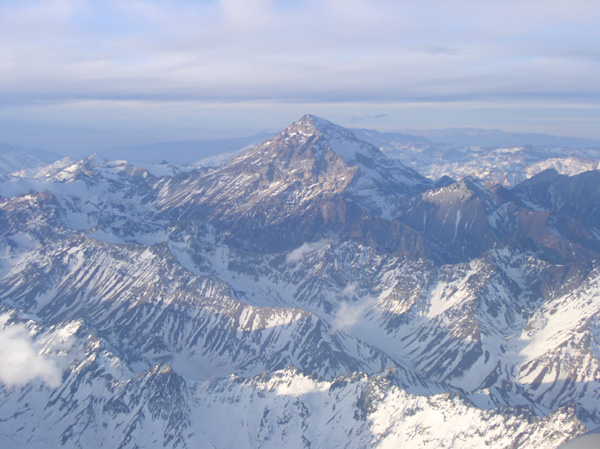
[{"x": 91, "y": 74}]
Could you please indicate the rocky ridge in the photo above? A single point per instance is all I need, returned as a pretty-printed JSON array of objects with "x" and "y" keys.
[{"x": 335, "y": 282}]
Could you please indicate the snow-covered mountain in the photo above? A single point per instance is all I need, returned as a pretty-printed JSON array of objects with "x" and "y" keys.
[
  {"x": 312, "y": 177},
  {"x": 310, "y": 292},
  {"x": 14, "y": 158},
  {"x": 494, "y": 164}
]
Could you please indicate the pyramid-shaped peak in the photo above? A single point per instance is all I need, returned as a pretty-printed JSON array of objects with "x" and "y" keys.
[
  {"x": 311, "y": 124},
  {"x": 313, "y": 120}
]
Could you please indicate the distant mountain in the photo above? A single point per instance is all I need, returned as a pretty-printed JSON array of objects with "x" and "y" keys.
[
  {"x": 184, "y": 152},
  {"x": 488, "y": 138},
  {"x": 13, "y": 158},
  {"x": 309, "y": 292},
  {"x": 494, "y": 165},
  {"x": 390, "y": 139}
]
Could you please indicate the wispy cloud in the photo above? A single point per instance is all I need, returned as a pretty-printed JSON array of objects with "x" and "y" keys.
[
  {"x": 232, "y": 53},
  {"x": 349, "y": 313},
  {"x": 357, "y": 119},
  {"x": 349, "y": 290},
  {"x": 327, "y": 51},
  {"x": 298, "y": 254},
  {"x": 21, "y": 360}
]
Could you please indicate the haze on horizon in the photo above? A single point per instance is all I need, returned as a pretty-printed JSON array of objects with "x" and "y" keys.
[{"x": 82, "y": 74}]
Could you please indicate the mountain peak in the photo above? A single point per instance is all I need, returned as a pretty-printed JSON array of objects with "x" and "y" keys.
[
  {"x": 313, "y": 120},
  {"x": 321, "y": 134},
  {"x": 309, "y": 125},
  {"x": 310, "y": 163}
]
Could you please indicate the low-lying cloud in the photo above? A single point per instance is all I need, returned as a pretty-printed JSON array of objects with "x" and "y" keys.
[
  {"x": 298, "y": 254},
  {"x": 349, "y": 290},
  {"x": 356, "y": 118},
  {"x": 349, "y": 313},
  {"x": 21, "y": 360}
]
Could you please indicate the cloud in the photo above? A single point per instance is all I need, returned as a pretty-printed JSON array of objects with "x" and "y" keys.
[
  {"x": 330, "y": 51},
  {"x": 367, "y": 117},
  {"x": 21, "y": 360},
  {"x": 247, "y": 15},
  {"x": 219, "y": 53},
  {"x": 349, "y": 290},
  {"x": 298, "y": 254},
  {"x": 348, "y": 314}
]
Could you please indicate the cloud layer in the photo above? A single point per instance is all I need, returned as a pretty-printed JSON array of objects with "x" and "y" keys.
[
  {"x": 213, "y": 61},
  {"x": 299, "y": 51}
]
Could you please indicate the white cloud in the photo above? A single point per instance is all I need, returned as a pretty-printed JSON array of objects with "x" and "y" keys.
[
  {"x": 298, "y": 254},
  {"x": 21, "y": 360},
  {"x": 349, "y": 290},
  {"x": 231, "y": 52},
  {"x": 238, "y": 50},
  {"x": 247, "y": 15},
  {"x": 349, "y": 313}
]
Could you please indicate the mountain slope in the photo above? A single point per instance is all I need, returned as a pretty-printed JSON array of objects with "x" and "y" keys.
[
  {"x": 102, "y": 403},
  {"x": 13, "y": 159},
  {"x": 312, "y": 179},
  {"x": 309, "y": 280}
]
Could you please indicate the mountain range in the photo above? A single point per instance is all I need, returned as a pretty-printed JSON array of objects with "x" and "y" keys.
[
  {"x": 489, "y": 138},
  {"x": 314, "y": 290}
]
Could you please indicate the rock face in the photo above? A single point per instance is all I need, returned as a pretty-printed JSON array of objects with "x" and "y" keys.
[
  {"x": 310, "y": 292},
  {"x": 313, "y": 179}
]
